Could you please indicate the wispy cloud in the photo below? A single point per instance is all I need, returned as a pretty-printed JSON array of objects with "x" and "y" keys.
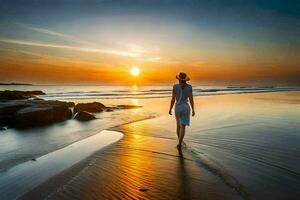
[
  {"x": 31, "y": 54},
  {"x": 135, "y": 51},
  {"x": 13, "y": 50},
  {"x": 54, "y": 33},
  {"x": 160, "y": 60},
  {"x": 69, "y": 47}
]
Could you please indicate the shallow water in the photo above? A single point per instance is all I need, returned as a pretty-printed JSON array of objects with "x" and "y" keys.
[
  {"x": 24, "y": 177},
  {"x": 17, "y": 146}
]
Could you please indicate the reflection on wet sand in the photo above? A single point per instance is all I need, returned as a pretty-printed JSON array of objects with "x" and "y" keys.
[
  {"x": 183, "y": 176},
  {"x": 143, "y": 167}
]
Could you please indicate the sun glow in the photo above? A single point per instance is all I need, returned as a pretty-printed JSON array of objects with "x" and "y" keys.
[{"x": 135, "y": 71}]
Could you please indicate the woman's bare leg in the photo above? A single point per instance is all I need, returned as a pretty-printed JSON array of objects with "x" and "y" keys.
[
  {"x": 178, "y": 130},
  {"x": 181, "y": 134}
]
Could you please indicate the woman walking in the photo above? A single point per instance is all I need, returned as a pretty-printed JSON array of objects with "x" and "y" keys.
[{"x": 182, "y": 92}]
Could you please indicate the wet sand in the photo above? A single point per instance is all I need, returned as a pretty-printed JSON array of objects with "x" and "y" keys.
[
  {"x": 138, "y": 167},
  {"x": 239, "y": 147}
]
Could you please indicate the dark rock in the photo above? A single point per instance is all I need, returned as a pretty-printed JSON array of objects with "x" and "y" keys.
[
  {"x": 61, "y": 113},
  {"x": 5, "y": 120},
  {"x": 27, "y": 93},
  {"x": 70, "y": 104},
  {"x": 15, "y": 94},
  {"x": 2, "y": 129},
  {"x": 40, "y": 115},
  {"x": 89, "y": 107},
  {"x": 84, "y": 116},
  {"x": 33, "y": 159},
  {"x": 8, "y": 109},
  {"x": 50, "y": 102},
  {"x": 7, "y": 95},
  {"x": 31, "y": 93},
  {"x": 53, "y": 103},
  {"x": 29, "y": 113},
  {"x": 33, "y": 116}
]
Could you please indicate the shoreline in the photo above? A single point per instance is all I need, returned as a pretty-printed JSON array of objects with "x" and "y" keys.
[
  {"x": 102, "y": 98},
  {"x": 38, "y": 170}
]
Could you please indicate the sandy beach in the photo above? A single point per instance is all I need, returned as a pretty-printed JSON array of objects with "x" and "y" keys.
[
  {"x": 236, "y": 149},
  {"x": 132, "y": 169}
]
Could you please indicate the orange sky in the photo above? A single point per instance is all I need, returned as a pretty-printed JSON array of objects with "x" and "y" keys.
[
  {"x": 99, "y": 42},
  {"x": 79, "y": 72}
]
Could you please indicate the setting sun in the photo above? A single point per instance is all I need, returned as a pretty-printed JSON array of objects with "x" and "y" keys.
[{"x": 135, "y": 71}]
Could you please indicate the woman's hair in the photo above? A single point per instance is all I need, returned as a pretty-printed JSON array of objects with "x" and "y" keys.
[{"x": 183, "y": 83}]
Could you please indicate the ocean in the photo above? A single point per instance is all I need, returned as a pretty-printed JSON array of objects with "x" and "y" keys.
[{"x": 139, "y": 92}]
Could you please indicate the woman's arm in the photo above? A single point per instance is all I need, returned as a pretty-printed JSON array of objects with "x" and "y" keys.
[
  {"x": 191, "y": 98},
  {"x": 172, "y": 103}
]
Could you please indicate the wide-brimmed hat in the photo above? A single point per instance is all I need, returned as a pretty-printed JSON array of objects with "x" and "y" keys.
[{"x": 182, "y": 77}]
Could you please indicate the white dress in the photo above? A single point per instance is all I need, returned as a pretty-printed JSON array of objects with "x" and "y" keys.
[{"x": 182, "y": 108}]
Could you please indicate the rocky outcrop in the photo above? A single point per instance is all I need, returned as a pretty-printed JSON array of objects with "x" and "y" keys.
[
  {"x": 15, "y": 94},
  {"x": 89, "y": 107},
  {"x": 31, "y": 113},
  {"x": 40, "y": 115},
  {"x": 21, "y": 109},
  {"x": 84, "y": 116},
  {"x": 61, "y": 113},
  {"x": 53, "y": 102},
  {"x": 8, "y": 109},
  {"x": 33, "y": 116}
]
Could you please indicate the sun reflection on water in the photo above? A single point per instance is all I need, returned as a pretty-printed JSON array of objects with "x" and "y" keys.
[{"x": 135, "y": 102}]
